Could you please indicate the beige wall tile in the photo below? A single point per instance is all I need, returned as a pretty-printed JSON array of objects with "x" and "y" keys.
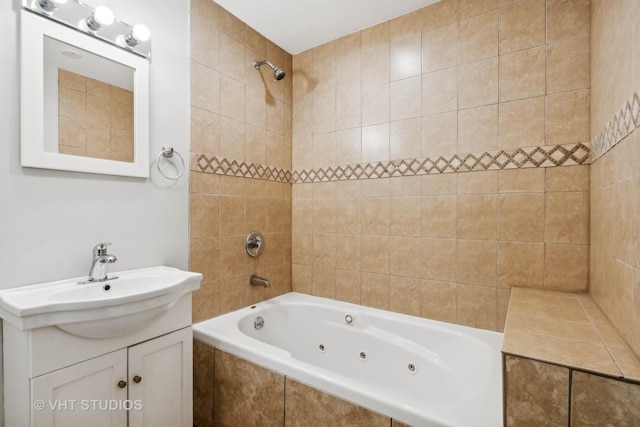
[
  {"x": 205, "y": 258},
  {"x": 478, "y": 182},
  {"x": 378, "y": 60},
  {"x": 348, "y": 216},
  {"x": 404, "y": 295},
  {"x": 406, "y": 25},
  {"x": 468, "y": 8},
  {"x": 477, "y": 306},
  {"x": 575, "y": 178},
  {"x": 204, "y": 220},
  {"x": 568, "y": 117},
  {"x": 375, "y": 290},
  {"x": 537, "y": 393},
  {"x": 238, "y": 392},
  {"x": 478, "y": 129},
  {"x": 522, "y": 123},
  {"x": 406, "y": 138},
  {"x": 203, "y": 380},
  {"x": 477, "y": 262},
  {"x": 301, "y": 278},
  {"x": 598, "y": 400},
  {"x": 522, "y": 25},
  {"x": 522, "y": 74},
  {"x": 477, "y": 217},
  {"x": 438, "y": 300},
  {"x": 375, "y": 104},
  {"x": 439, "y": 216},
  {"x": 375, "y": 254},
  {"x": 478, "y": 83},
  {"x": 405, "y": 186},
  {"x": 440, "y": 48},
  {"x": 440, "y": 184},
  {"x": 349, "y": 146},
  {"x": 348, "y": 285},
  {"x": 567, "y": 217},
  {"x": 405, "y": 98},
  {"x": 440, "y": 91},
  {"x": 478, "y": 36},
  {"x": 375, "y": 143},
  {"x": 439, "y": 14},
  {"x": 406, "y": 57},
  {"x": 521, "y": 264},
  {"x": 566, "y": 267},
  {"x": 324, "y": 282},
  {"x": 567, "y": 18},
  {"x": 324, "y": 249},
  {"x": 568, "y": 65},
  {"x": 375, "y": 36},
  {"x": 439, "y": 259},
  {"x": 375, "y": 215},
  {"x": 522, "y": 217},
  {"x": 440, "y": 134},
  {"x": 405, "y": 216},
  {"x": 304, "y": 404},
  {"x": 404, "y": 259},
  {"x": 348, "y": 251}
]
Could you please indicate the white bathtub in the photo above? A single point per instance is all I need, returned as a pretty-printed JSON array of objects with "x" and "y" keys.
[{"x": 418, "y": 371}]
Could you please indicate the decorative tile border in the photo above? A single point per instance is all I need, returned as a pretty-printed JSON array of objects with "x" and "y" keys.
[
  {"x": 222, "y": 166},
  {"x": 622, "y": 124},
  {"x": 533, "y": 157}
]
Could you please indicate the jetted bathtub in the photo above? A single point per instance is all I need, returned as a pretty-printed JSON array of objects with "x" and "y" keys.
[{"x": 418, "y": 371}]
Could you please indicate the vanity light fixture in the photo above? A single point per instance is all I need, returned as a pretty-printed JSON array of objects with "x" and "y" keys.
[
  {"x": 140, "y": 33},
  {"x": 101, "y": 17},
  {"x": 50, "y": 6},
  {"x": 94, "y": 21}
]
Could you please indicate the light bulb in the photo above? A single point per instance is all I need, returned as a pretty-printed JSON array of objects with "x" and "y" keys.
[
  {"x": 101, "y": 17},
  {"x": 50, "y": 5},
  {"x": 139, "y": 34}
]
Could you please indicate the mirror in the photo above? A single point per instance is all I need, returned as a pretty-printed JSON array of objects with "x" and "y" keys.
[{"x": 84, "y": 102}]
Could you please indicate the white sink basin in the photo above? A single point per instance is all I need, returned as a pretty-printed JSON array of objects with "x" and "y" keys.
[{"x": 106, "y": 309}]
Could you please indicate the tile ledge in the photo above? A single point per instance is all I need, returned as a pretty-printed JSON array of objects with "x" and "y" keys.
[{"x": 626, "y": 362}]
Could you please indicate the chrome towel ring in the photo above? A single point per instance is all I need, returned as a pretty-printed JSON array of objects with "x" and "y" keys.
[{"x": 167, "y": 153}]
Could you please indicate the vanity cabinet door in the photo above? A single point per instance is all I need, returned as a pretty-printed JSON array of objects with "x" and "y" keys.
[
  {"x": 160, "y": 377},
  {"x": 86, "y": 394}
]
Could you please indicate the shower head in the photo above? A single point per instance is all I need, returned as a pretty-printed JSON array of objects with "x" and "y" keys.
[{"x": 278, "y": 73}]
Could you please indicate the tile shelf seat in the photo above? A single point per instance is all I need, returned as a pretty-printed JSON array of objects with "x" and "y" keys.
[{"x": 569, "y": 330}]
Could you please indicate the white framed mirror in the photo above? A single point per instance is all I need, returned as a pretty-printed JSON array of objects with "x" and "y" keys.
[{"x": 84, "y": 102}]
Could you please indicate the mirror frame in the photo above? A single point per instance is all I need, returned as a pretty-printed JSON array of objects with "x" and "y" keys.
[{"x": 32, "y": 152}]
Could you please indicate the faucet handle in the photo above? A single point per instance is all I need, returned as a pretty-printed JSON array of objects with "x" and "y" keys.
[{"x": 100, "y": 249}]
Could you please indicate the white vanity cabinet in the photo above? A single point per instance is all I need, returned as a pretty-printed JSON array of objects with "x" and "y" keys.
[
  {"x": 144, "y": 378},
  {"x": 148, "y": 384}
]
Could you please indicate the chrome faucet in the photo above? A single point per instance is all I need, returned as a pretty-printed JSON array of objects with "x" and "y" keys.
[
  {"x": 259, "y": 281},
  {"x": 101, "y": 261}
]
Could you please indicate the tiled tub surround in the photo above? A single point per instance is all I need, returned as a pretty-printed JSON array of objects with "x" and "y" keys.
[
  {"x": 455, "y": 77},
  {"x": 420, "y": 371},
  {"x": 238, "y": 113},
  {"x": 564, "y": 361},
  {"x": 507, "y": 83}
]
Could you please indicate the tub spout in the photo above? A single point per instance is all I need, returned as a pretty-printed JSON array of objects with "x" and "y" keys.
[{"x": 259, "y": 281}]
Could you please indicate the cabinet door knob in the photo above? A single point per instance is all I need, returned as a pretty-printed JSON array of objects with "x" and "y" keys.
[
  {"x": 137, "y": 379},
  {"x": 122, "y": 384}
]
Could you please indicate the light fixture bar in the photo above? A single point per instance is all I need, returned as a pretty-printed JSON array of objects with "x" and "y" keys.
[{"x": 98, "y": 22}]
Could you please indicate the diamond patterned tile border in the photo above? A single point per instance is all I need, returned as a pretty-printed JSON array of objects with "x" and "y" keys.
[
  {"x": 621, "y": 125},
  {"x": 533, "y": 157}
]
